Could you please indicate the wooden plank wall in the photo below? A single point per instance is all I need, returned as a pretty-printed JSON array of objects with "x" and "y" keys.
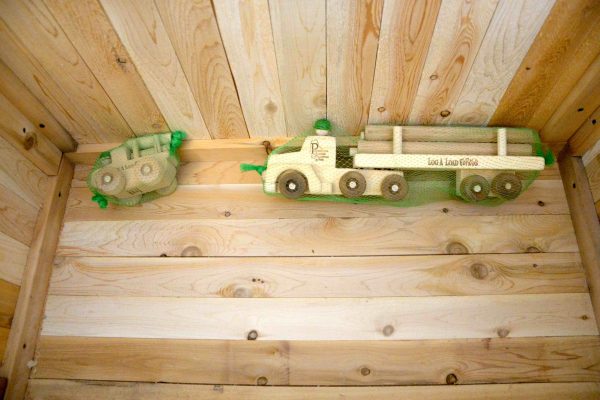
[{"x": 108, "y": 69}]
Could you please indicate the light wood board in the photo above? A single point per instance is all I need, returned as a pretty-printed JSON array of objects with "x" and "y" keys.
[
  {"x": 68, "y": 390},
  {"x": 192, "y": 28},
  {"x": 557, "y": 359},
  {"x": 319, "y": 277},
  {"x": 246, "y": 31},
  {"x": 443, "y": 317},
  {"x": 320, "y": 236},
  {"x": 143, "y": 34}
]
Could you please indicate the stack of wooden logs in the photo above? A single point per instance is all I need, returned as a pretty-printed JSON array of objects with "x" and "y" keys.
[{"x": 377, "y": 139}]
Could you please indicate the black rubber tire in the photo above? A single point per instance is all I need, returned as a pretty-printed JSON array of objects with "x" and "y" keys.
[
  {"x": 508, "y": 186},
  {"x": 391, "y": 182},
  {"x": 353, "y": 184},
  {"x": 292, "y": 184},
  {"x": 468, "y": 188}
]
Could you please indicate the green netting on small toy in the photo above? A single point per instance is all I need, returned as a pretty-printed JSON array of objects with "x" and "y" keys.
[
  {"x": 139, "y": 170},
  {"x": 444, "y": 144}
]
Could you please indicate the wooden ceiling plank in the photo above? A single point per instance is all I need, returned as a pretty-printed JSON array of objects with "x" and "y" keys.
[
  {"x": 406, "y": 32},
  {"x": 353, "y": 30},
  {"x": 510, "y": 34},
  {"x": 458, "y": 33},
  {"x": 90, "y": 31},
  {"x": 193, "y": 30},
  {"x": 140, "y": 28},
  {"x": 41, "y": 34},
  {"x": 248, "y": 38}
]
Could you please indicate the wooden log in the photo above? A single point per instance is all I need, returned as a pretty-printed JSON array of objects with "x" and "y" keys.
[
  {"x": 386, "y": 147},
  {"x": 41, "y": 389},
  {"x": 547, "y": 359},
  {"x": 319, "y": 236},
  {"x": 470, "y": 134},
  {"x": 36, "y": 277},
  {"x": 585, "y": 221},
  {"x": 392, "y": 318},
  {"x": 319, "y": 276}
]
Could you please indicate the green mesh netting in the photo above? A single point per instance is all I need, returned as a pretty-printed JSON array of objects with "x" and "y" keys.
[
  {"x": 387, "y": 165},
  {"x": 141, "y": 169}
]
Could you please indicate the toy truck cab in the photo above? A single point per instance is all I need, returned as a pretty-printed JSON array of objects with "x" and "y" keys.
[{"x": 296, "y": 172}]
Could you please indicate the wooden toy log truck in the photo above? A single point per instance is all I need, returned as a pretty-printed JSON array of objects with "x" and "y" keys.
[{"x": 486, "y": 164}]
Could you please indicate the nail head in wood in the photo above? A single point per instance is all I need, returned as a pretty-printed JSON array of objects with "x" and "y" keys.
[{"x": 451, "y": 379}]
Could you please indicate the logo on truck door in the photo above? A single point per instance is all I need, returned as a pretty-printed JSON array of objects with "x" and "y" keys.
[{"x": 317, "y": 153}]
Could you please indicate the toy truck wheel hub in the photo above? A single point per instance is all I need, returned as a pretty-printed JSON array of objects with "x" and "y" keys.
[
  {"x": 394, "y": 188},
  {"x": 107, "y": 178},
  {"x": 352, "y": 184},
  {"x": 507, "y": 186},
  {"x": 146, "y": 169},
  {"x": 477, "y": 188},
  {"x": 291, "y": 185}
]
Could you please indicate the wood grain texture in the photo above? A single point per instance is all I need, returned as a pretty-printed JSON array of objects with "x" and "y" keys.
[
  {"x": 193, "y": 30},
  {"x": 26, "y": 139},
  {"x": 352, "y": 38},
  {"x": 459, "y": 31},
  {"x": 246, "y": 31},
  {"x": 9, "y": 293},
  {"x": 34, "y": 286},
  {"x": 41, "y": 35},
  {"x": 319, "y": 236},
  {"x": 230, "y": 202},
  {"x": 90, "y": 31},
  {"x": 69, "y": 390},
  {"x": 299, "y": 34},
  {"x": 592, "y": 171},
  {"x": 320, "y": 277},
  {"x": 406, "y": 31},
  {"x": 442, "y": 317},
  {"x": 395, "y": 362},
  {"x": 21, "y": 176},
  {"x": 581, "y": 101},
  {"x": 19, "y": 96},
  {"x": 562, "y": 50},
  {"x": 143, "y": 34},
  {"x": 585, "y": 222},
  {"x": 511, "y": 32},
  {"x": 17, "y": 216},
  {"x": 13, "y": 256},
  {"x": 587, "y": 135}
]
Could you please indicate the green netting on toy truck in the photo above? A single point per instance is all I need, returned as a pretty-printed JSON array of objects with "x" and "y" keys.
[
  {"x": 139, "y": 170},
  {"x": 362, "y": 172}
]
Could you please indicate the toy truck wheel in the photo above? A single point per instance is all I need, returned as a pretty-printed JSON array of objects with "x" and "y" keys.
[
  {"x": 508, "y": 186},
  {"x": 474, "y": 188},
  {"x": 109, "y": 180},
  {"x": 150, "y": 172},
  {"x": 292, "y": 184},
  {"x": 394, "y": 187},
  {"x": 353, "y": 184}
]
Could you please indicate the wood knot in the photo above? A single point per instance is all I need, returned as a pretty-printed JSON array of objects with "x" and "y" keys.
[
  {"x": 227, "y": 214},
  {"x": 388, "y": 330},
  {"x": 252, "y": 335},
  {"x": 364, "y": 371},
  {"x": 445, "y": 210},
  {"x": 191, "y": 251},
  {"x": 30, "y": 141},
  {"x": 541, "y": 203},
  {"x": 242, "y": 292},
  {"x": 121, "y": 60},
  {"x": 381, "y": 109},
  {"x": 451, "y": 379},
  {"x": 433, "y": 77},
  {"x": 156, "y": 125},
  {"x": 479, "y": 271},
  {"x": 502, "y": 332},
  {"x": 262, "y": 381},
  {"x": 533, "y": 249},
  {"x": 445, "y": 113},
  {"x": 456, "y": 248},
  {"x": 584, "y": 317},
  {"x": 271, "y": 107}
]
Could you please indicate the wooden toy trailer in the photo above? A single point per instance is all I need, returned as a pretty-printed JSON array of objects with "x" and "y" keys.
[{"x": 483, "y": 169}]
